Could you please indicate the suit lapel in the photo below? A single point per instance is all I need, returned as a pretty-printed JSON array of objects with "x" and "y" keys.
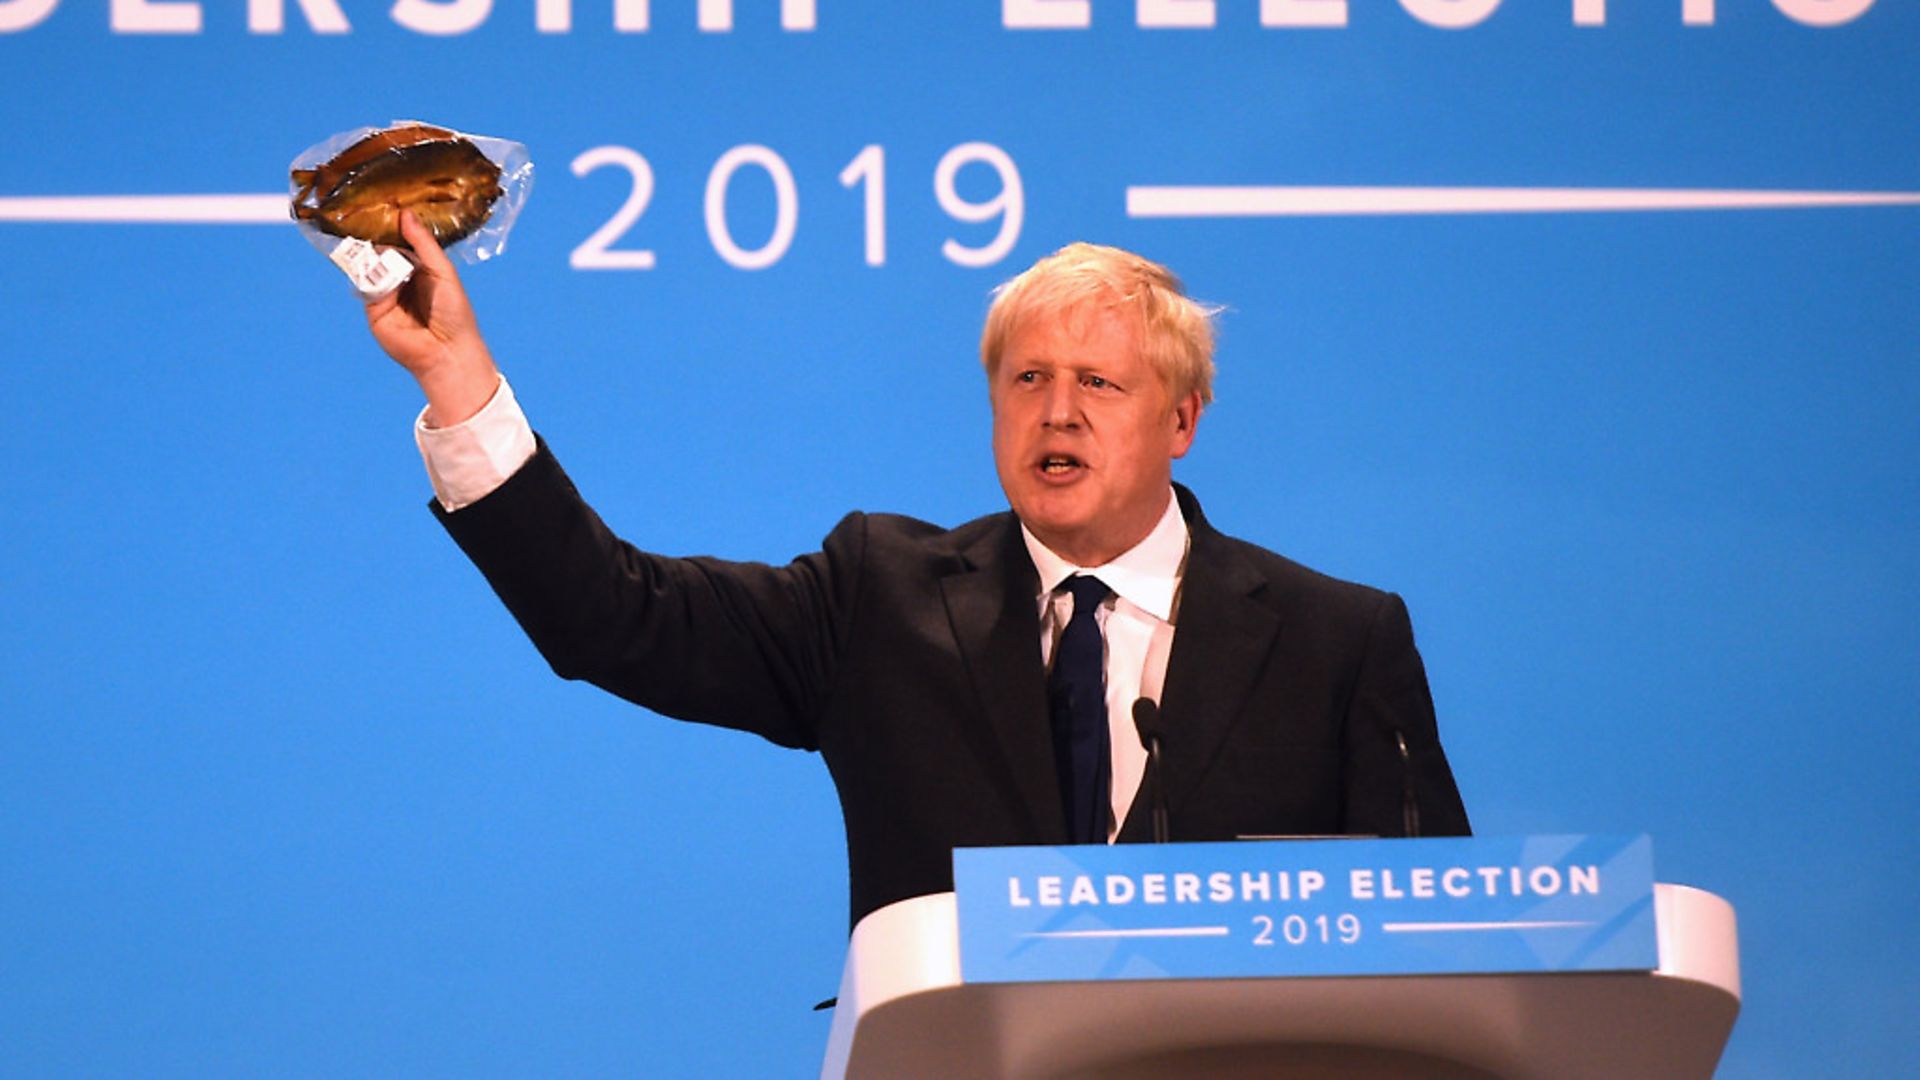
[
  {"x": 992, "y": 608},
  {"x": 1221, "y": 641}
]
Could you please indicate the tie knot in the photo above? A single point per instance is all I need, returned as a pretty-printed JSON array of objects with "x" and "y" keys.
[{"x": 1087, "y": 592}]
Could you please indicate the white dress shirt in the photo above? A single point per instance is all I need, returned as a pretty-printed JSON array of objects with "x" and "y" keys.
[
  {"x": 1136, "y": 622},
  {"x": 467, "y": 461}
]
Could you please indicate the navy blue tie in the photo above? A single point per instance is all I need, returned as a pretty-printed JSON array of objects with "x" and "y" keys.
[{"x": 1077, "y": 696}]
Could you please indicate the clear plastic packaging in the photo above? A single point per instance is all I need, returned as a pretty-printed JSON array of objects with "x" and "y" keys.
[{"x": 373, "y": 268}]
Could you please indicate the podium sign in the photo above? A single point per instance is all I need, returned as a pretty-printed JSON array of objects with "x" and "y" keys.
[{"x": 1306, "y": 907}]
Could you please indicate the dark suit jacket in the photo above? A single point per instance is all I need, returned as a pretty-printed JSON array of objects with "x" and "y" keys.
[{"x": 908, "y": 655}]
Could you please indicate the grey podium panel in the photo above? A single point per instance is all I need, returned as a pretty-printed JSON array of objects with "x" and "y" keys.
[{"x": 904, "y": 1011}]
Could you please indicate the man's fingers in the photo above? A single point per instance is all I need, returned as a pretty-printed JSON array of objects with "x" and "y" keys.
[
  {"x": 378, "y": 306},
  {"x": 425, "y": 247}
]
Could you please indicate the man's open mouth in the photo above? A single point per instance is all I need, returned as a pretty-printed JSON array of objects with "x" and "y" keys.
[{"x": 1058, "y": 464}]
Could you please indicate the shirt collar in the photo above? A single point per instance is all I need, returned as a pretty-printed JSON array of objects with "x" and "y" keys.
[{"x": 1146, "y": 575}]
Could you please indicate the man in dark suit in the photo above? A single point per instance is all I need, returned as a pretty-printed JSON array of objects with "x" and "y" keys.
[{"x": 974, "y": 686}]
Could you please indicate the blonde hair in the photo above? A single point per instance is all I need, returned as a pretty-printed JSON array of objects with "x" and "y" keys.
[{"x": 1176, "y": 331}]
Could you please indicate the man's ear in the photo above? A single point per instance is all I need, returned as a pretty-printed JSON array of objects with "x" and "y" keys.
[{"x": 1186, "y": 417}]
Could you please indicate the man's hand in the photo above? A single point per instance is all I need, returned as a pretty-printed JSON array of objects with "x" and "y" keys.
[{"x": 428, "y": 327}]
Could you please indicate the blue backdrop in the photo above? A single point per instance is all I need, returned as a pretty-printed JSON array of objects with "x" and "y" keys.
[{"x": 284, "y": 792}]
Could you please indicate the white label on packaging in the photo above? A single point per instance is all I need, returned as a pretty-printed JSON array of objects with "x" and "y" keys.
[{"x": 374, "y": 271}]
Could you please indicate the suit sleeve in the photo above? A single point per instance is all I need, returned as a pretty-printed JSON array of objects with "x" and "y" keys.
[
  {"x": 741, "y": 645},
  {"x": 1390, "y": 792}
]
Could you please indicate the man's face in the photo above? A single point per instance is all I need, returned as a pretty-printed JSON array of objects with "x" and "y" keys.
[{"x": 1085, "y": 433}]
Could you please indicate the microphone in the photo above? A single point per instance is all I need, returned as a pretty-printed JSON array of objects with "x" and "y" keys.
[
  {"x": 1409, "y": 806},
  {"x": 1146, "y": 720}
]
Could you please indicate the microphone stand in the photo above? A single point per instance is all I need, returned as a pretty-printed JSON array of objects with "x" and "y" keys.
[{"x": 1146, "y": 720}]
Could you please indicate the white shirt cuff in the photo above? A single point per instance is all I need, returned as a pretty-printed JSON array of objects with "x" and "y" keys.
[{"x": 467, "y": 461}]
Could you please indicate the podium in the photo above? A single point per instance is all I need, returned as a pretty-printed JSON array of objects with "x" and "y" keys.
[{"x": 904, "y": 1011}]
